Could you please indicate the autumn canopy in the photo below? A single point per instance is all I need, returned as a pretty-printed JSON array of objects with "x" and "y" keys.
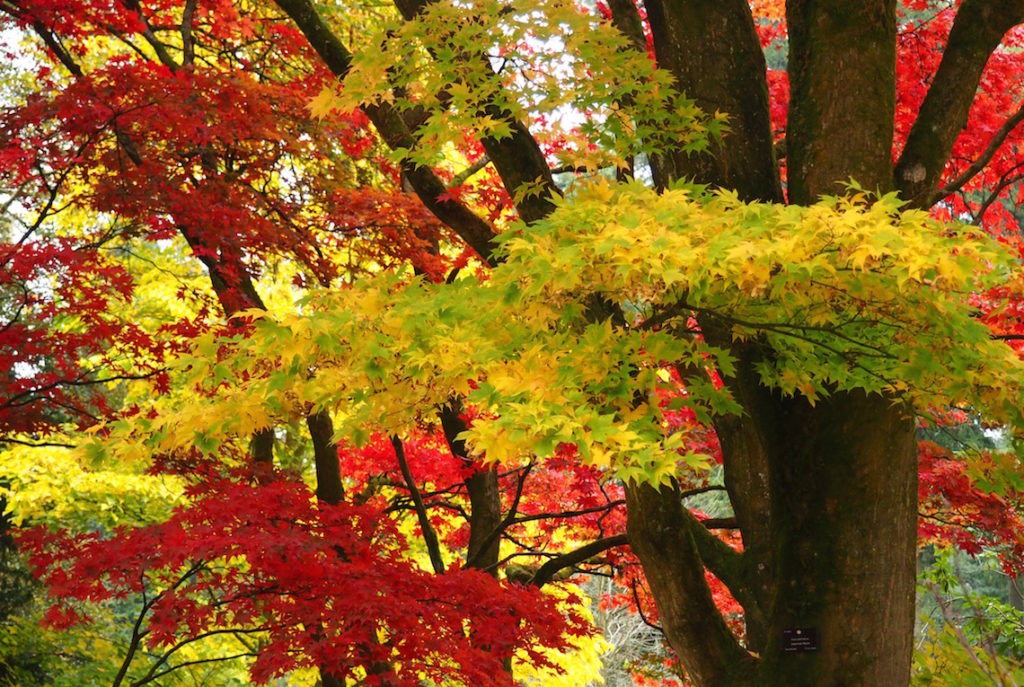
[{"x": 435, "y": 343}]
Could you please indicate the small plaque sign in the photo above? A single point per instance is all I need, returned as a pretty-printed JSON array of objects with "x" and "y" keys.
[{"x": 800, "y": 639}]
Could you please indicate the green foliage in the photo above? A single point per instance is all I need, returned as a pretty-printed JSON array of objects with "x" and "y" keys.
[
  {"x": 845, "y": 294},
  {"x": 970, "y": 636},
  {"x": 480, "y": 66}
]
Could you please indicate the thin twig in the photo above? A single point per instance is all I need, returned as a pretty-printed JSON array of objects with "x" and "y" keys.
[{"x": 465, "y": 175}]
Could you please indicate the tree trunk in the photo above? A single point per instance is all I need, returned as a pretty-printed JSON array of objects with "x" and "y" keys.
[
  {"x": 485, "y": 513},
  {"x": 824, "y": 495},
  {"x": 843, "y": 531},
  {"x": 661, "y": 538},
  {"x": 832, "y": 556},
  {"x": 842, "y": 75},
  {"x": 712, "y": 50}
]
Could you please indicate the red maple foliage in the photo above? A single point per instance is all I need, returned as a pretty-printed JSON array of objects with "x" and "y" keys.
[
  {"x": 955, "y": 509},
  {"x": 216, "y": 145},
  {"x": 329, "y": 586}
]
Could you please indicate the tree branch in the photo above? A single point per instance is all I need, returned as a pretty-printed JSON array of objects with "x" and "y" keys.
[
  {"x": 194, "y": 662},
  {"x": 510, "y": 518},
  {"x": 466, "y": 174},
  {"x": 640, "y": 609},
  {"x": 187, "y": 43},
  {"x": 549, "y": 569},
  {"x": 626, "y": 18},
  {"x": 968, "y": 645},
  {"x": 688, "y": 42},
  {"x": 36, "y": 444},
  {"x": 986, "y": 156},
  {"x": 696, "y": 491},
  {"x": 978, "y": 28},
  {"x": 25, "y": 397},
  {"x": 57, "y": 48},
  {"x": 727, "y": 564},
  {"x": 1007, "y": 180},
  {"x": 147, "y": 32},
  {"x": 476, "y": 232},
  {"x": 484, "y": 495},
  {"x": 133, "y": 645},
  {"x": 429, "y": 535},
  {"x": 138, "y": 634},
  {"x": 661, "y": 532},
  {"x": 565, "y": 514},
  {"x": 516, "y": 156},
  {"x": 154, "y": 671},
  {"x": 329, "y": 488}
]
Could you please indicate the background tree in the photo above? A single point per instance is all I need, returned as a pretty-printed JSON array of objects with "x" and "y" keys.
[{"x": 165, "y": 103}]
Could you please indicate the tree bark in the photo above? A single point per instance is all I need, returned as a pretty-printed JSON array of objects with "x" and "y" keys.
[
  {"x": 485, "y": 513},
  {"x": 824, "y": 495},
  {"x": 843, "y": 480},
  {"x": 712, "y": 49},
  {"x": 842, "y": 75},
  {"x": 329, "y": 487},
  {"x": 661, "y": 539}
]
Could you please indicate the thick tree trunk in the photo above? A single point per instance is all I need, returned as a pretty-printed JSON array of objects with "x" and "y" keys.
[
  {"x": 843, "y": 531},
  {"x": 712, "y": 49},
  {"x": 842, "y": 75},
  {"x": 824, "y": 495},
  {"x": 832, "y": 555}
]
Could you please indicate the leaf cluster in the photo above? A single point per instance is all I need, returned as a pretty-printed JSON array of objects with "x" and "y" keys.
[
  {"x": 569, "y": 339},
  {"x": 485, "y": 65}
]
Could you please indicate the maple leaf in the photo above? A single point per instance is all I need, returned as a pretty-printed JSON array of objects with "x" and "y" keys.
[{"x": 323, "y": 104}]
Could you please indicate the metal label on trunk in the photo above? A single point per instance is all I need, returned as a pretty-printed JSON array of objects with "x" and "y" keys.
[{"x": 800, "y": 639}]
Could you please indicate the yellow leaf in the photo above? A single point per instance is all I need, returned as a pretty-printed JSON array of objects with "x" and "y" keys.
[{"x": 325, "y": 101}]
